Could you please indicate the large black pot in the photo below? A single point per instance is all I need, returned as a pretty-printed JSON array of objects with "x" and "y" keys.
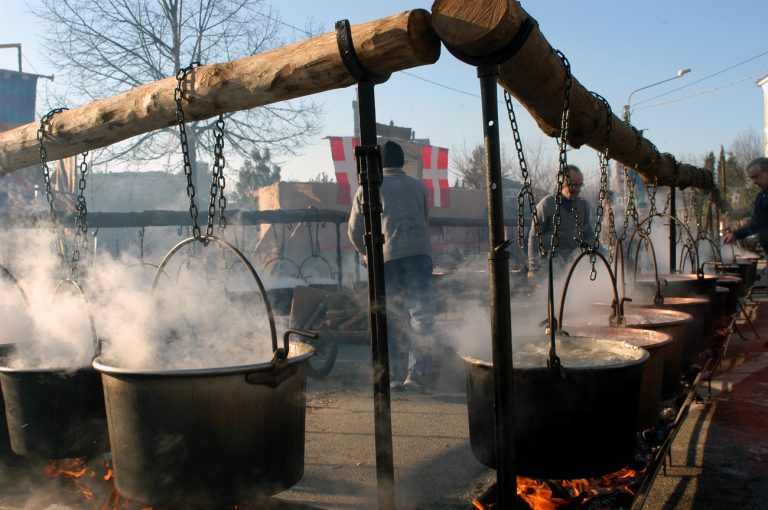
[
  {"x": 5, "y": 442},
  {"x": 699, "y": 329},
  {"x": 735, "y": 292},
  {"x": 577, "y": 426},
  {"x": 677, "y": 285},
  {"x": 748, "y": 266},
  {"x": 657, "y": 344},
  {"x": 54, "y": 413},
  {"x": 207, "y": 437},
  {"x": 671, "y": 322}
]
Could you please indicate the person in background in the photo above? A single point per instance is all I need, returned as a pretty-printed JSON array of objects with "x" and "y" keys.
[
  {"x": 570, "y": 232},
  {"x": 757, "y": 170},
  {"x": 407, "y": 270}
]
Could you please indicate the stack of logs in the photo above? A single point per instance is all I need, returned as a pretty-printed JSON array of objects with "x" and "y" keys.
[{"x": 320, "y": 310}]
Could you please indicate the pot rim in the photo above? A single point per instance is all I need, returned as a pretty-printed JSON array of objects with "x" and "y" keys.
[
  {"x": 71, "y": 370},
  {"x": 662, "y": 337},
  {"x": 642, "y": 357},
  {"x": 680, "y": 277},
  {"x": 674, "y": 318},
  {"x": 307, "y": 351}
]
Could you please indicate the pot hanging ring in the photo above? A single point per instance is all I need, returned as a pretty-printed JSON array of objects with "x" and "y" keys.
[
  {"x": 617, "y": 319},
  {"x": 658, "y": 298},
  {"x": 72, "y": 283},
  {"x": 207, "y": 240}
]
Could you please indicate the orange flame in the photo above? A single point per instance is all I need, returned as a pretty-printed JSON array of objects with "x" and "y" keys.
[
  {"x": 71, "y": 470},
  {"x": 539, "y": 495}
]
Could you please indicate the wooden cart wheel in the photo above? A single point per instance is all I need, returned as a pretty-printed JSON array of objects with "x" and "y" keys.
[{"x": 322, "y": 362}]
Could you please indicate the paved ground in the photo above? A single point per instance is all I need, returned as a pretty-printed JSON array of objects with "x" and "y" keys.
[
  {"x": 719, "y": 459},
  {"x": 434, "y": 467}
]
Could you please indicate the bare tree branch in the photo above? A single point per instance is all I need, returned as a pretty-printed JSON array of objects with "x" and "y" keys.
[{"x": 105, "y": 47}]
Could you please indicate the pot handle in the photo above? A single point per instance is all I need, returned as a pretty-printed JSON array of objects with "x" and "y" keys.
[
  {"x": 73, "y": 283},
  {"x": 617, "y": 319},
  {"x": 9, "y": 276},
  {"x": 281, "y": 353},
  {"x": 208, "y": 239}
]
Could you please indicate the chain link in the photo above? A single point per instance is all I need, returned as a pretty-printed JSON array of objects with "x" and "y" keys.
[
  {"x": 651, "y": 190},
  {"x": 217, "y": 180},
  {"x": 603, "y": 159},
  {"x": 563, "y": 155},
  {"x": 45, "y": 122},
  {"x": 526, "y": 192},
  {"x": 81, "y": 219},
  {"x": 178, "y": 96}
]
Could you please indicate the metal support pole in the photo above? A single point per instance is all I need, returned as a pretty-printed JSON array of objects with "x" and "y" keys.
[
  {"x": 498, "y": 272},
  {"x": 672, "y": 231},
  {"x": 369, "y": 173},
  {"x": 339, "y": 274}
]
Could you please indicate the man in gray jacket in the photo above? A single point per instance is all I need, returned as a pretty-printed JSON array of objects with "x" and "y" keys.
[
  {"x": 407, "y": 269},
  {"x": 572, "y": 232}
]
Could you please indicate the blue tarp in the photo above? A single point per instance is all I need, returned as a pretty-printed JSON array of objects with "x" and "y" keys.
[{"x": 17, "y": 97}]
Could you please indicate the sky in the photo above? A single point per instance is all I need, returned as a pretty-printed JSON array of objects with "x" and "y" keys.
[{"x": 613, "y": 48}]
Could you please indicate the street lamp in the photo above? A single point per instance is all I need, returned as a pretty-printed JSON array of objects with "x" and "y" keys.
[{"x": 625, "y": 110}]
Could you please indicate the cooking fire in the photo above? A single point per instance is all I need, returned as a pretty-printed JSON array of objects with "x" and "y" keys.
[{"x": 612, "y": 491}]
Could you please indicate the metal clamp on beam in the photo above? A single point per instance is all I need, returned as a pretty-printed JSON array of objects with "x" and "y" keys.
[
  {"x": 504, "y": 54},
  {"x": 349, "y": 55},
  {"x": 500, "y": 252}
]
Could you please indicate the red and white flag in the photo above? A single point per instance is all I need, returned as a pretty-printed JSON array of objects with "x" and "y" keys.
[
  {"x": 434, "y": 166},
  {"x": 434, "y": 163},
  {"x": 345, "y": 166}
]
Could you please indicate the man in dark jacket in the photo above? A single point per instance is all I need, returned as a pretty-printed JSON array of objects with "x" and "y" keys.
[
  {"x": 574, "y": 228},
  {"x": 757, "y": 169},
  {"x": 407, "y": 269}
]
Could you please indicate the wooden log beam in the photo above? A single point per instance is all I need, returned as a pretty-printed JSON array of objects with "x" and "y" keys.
[
  {"x": 535, "y": 75},
  {"x": 383, "y": 46}
]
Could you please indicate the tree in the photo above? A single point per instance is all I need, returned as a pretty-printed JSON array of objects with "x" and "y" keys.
[
  {"x": 257, "y": 172},
  {"x": 104, "y": 47},
  {"x": 470, "y": 166},
  {"x": 322, "y": 177},
  {"x": 739, "y": 191}
]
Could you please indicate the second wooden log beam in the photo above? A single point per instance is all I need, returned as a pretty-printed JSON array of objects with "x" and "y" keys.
[{"x": 535, "y": 75}]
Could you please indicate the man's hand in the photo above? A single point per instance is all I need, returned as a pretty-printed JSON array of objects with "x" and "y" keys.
[{"x": 729, "y": 238}]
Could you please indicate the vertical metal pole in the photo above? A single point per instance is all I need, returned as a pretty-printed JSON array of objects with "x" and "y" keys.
[
  {"x": 672, "y": 231},
  {"x": 498, "y": 274},
  {"x": 339, "y": 275},
  {"x": 370, "y": 180}
]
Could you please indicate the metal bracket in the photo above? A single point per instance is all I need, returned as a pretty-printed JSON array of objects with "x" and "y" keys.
[
  {"x": 504, "y": 54},
  {"x": 349, "y": 55}
]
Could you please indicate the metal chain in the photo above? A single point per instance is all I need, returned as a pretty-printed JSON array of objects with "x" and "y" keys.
[
  {"x": 279, "y": 244},
  {"x": 652, "y": 189},
  {"x": 697, "y": 212},
  {"x": 563, "y": 157},
  {"x": 81, "y": 219},
  {"x": 45, "y": 122},
  {"x": 217, "y": 180},
  {"x": 313, "y": 248},
  {"x": 603, "y": 159},
  {"x": 178, "y": 96},
  {"x": 631, "y": 209},
  {"x": 526, "y": 192}
]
